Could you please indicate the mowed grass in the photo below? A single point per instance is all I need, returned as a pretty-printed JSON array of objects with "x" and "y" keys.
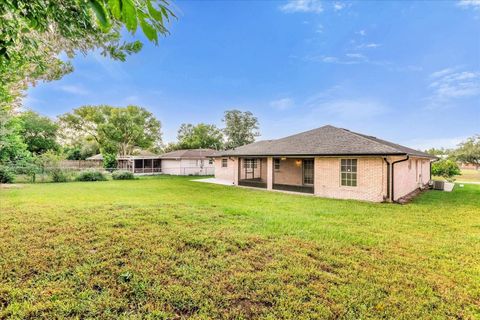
[
  {"x": 167, "y": 247},
  {"x": 469, "y": 175}
]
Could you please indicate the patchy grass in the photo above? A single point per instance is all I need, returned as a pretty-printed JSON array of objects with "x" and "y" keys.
[{"x": 166, "y": 247}]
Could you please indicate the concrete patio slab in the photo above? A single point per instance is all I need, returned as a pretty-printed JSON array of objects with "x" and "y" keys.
[{"x": 215, "y": 181}]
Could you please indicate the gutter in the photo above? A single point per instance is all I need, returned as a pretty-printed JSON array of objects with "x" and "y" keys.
[{"x": 393, "y": 175}]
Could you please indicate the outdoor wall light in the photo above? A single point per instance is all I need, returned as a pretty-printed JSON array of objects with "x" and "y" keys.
[
  {"x": 283, "y": 159},
  {"x": 298, "y": 162}
]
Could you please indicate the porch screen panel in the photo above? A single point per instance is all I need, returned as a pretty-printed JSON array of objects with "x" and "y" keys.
[{"x": 308, "y": 171}]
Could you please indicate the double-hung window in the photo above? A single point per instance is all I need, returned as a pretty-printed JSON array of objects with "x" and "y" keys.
[
  {"x": 348, "y": 172},
  {"x": 224, "y": 163},
  {"x": 276, "y": 164}
]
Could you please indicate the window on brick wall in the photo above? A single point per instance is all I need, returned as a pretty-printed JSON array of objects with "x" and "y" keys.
[
  {"x": 224, "y": 163},
  {"x": 348, "y": 172},
  {"x": 276, "y": 164}
]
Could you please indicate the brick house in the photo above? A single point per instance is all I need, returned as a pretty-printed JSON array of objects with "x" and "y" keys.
[{"x": 328, "y": 162}]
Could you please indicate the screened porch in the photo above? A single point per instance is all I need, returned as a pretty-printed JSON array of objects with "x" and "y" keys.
[
  {"x": 147, "y": 166},
  {"x": 252, "y": 172},
  {"x": 293, "y": 174}
]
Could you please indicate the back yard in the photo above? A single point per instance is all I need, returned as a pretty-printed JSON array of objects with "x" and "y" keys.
[{"x": 166, "y": 247}]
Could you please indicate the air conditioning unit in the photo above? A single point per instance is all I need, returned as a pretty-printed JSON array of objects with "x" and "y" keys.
[{"x": 438, "y": 185}]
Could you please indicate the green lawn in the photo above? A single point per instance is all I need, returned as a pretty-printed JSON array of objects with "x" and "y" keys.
[
  {"x": 166, "y": 247},
  {"x": 469, "y": 175}
]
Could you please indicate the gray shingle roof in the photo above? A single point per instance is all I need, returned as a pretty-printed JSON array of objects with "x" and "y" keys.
[
  {"x": 189, "y": 154},
  {"x": 326, "y": 140}
]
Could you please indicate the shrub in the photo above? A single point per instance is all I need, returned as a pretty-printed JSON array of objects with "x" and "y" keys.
[
  {"x": 58, "y": 175},
  {"x": 123, "y": 175},
  {"x": 6, "y": 175},
  {"x": 91, "y": 175},
  {"x": 446, "y": 169}
]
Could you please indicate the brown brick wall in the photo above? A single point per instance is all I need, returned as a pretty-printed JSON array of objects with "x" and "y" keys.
[
  {"x": 410, "y": 175},
  {"x": 371, "y": 179},
  {"x": 290, "y": 172}
]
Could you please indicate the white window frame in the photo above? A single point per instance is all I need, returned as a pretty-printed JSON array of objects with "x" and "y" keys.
[
  {"x": 349, "y": 172},
  {"x": 224, "y": 163}
]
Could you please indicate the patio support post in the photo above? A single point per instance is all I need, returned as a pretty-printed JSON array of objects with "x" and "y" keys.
[
  {"x": 269, "y": 173},
  {"x": 236, "y": 175}
]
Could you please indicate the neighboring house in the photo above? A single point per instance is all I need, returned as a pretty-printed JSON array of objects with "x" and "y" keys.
[
  {"x": 468, "y": 166},
  {"x": 188, "y": 162},
  {"x": 180, "y": 162},
  {"x": 328, "y": 162},
  {"x": 143, "y": 162}
]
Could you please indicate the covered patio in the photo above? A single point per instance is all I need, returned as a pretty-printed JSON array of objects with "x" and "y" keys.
[
  {"x": 278, "y": 173},
  {"x": 293, "y": 174},
  {"x": 252, "y": 172}
]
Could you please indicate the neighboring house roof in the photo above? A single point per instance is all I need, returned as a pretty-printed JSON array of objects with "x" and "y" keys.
[
  {"x": 324, "y": 141},
  {"x": 139, "y": 154},
  {"x": 189, "y": 154}
]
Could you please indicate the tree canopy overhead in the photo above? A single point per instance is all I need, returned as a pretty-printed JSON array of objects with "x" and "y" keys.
[{"x": 35, "y": 32}]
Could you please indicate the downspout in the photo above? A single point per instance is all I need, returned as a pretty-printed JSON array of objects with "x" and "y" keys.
[
  {"x": 393, "y": 175},
  {"x": 388, "y": 177}
]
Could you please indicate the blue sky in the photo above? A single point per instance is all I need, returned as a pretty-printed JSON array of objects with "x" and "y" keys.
[{"x": 404, "y": 71}]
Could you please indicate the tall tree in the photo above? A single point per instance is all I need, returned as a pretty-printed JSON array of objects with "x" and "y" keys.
[
  {"x": 240, "y": 128},
  {"x": 38, "y": 132},
  {"x": 12, "y": 147},
  {"x": 116, "y": 130},
  {"x": 199, "y": 136},
  {"x": 469, "y": 151},
  {"x": 35, "y": 33}
]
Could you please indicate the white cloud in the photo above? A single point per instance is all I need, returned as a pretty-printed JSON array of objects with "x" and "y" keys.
[
  {"x": 449, "y": 84},
  {"x": 319, "y": 29},
  {"x": 337, "y": 5},
  {"x": 363, "y": 33},
  {"x": 475, "y": 4},
  {"x": 348, "y": 58},
  {"x": 441, "y": 73},
  {"x": 312, "y": 6},
  {"x": 371, "y": 45},
  {"x": 282, "y": 104},
  {"x": 74, "y": 89},
  {"x": 355, "y": 55}
]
